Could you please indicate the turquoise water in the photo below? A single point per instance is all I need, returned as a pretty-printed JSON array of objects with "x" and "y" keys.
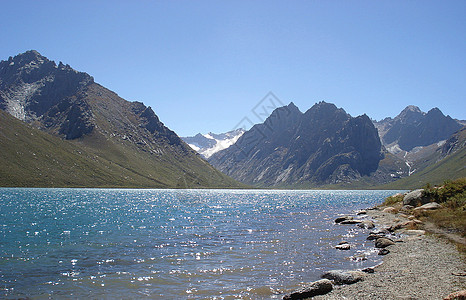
[{"x": 218, "y": 244}]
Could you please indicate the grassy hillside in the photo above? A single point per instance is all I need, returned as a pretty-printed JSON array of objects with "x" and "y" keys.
[
  {"x": 32, "y": 158},
  {"x": 451, "y": 167}
]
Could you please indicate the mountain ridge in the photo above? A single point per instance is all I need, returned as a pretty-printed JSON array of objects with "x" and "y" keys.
[
  {"x": 68, "y": 104},
  {"x": 322, "y": 145}
]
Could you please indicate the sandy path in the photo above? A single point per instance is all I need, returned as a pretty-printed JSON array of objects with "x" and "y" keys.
[{"x": 419, "y": 267}]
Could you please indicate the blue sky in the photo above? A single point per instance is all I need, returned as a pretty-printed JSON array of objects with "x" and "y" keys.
[{"x": 203, "y": 65}]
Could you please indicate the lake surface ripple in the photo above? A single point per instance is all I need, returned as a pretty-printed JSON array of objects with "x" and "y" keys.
[{"x": 217, "y": 244}]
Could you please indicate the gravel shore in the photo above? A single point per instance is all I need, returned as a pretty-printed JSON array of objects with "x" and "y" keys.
[{"x": 419, "y": 266}]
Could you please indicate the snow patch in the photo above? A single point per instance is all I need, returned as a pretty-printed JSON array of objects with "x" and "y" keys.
[
  {"x": 441, "y": 143},
  {"x": 194, "y": 147},
  {"x": 220, "y": 145}
]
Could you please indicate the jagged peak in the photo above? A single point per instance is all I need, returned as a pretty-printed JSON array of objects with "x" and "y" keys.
[
  {"x": 28, "y": 57},
  {"x": 33, "y": 60},
  {"x": 410, "y": 113},
  {"x": 292, "y": 106},
  {"x": 435, "y": 111},
  {"x": 323, "y": 107}
]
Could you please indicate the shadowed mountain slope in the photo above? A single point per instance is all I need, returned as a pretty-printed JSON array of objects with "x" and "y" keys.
[{"x": 122, "y": 137}]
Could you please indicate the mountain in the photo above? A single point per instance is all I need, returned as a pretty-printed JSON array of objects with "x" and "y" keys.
[
  {"x": 208, "y": 144},
  {"x": 324, "y": 145},
  {"x": 446, "y": 161},
  {"x": 110, "y": 135},
  {"x": 414, "y": 128}
]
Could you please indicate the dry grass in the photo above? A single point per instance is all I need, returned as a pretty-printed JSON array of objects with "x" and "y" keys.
[{"x": 392, "y": 200}]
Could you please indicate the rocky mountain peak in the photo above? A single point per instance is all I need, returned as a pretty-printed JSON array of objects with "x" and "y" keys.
[
  {"x": 31, "y": 84},
  {"x": 323, "y": 145},
  {"x": 413, "y": 128},
  {"x": 410, "y": 114}
]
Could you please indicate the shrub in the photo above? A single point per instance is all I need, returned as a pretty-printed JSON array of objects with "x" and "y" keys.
[
  {"x": 449, "y": 190},
  {"x": 393, "y": 199}
]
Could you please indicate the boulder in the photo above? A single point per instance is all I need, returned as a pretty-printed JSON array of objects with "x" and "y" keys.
[
  {"x": 343, "y": 246},
  {"x": 428, "y": 206},
  {"x": 383, "y": 242},
  {"x": 415, "y": 198},
  {"x": 383, "y": 251},
  {"x": 368, "y": 270},
  {"x": 390, "y": 210},
  {"x": 320, "y": 287},
  {"x": 367, "y": 224},
  {"x": 358, "y": 257},
  {"x": 344, "y": 277},
  {"x": 361, "y": 212},
  {"x": 373, "y": 236},
  {"x": 460, "y": 295},
  {"x": 344, "y": 218},
  {"x": 351, "y": 222}
]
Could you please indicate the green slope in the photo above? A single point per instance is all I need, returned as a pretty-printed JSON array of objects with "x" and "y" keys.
[
  {"x": 32, "y": 158},
  {"x": 451, "y": 167}
]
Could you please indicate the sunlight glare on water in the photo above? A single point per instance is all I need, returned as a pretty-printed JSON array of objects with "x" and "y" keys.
[{"x": 173, "y": 243}]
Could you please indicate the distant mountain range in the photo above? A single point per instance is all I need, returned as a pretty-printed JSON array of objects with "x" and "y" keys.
[
  {"x": 324, "y": 145},
  {"x": 210, "y": 143},
  {"x": 58, "y": 128},
  {"x": 413, "y": 128},
  {"x": 327, "y": 147},
  {"x": 71, "y": 131}
]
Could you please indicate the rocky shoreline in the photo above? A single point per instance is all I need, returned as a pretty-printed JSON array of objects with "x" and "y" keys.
[{"x": 416, "y": 265}]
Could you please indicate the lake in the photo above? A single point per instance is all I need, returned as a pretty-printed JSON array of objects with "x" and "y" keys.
[{"x": 217, "y": 244}]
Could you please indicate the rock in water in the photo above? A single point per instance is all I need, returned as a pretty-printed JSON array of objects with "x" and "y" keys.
[
  {"x": 344, "y": 246},
  {"x": 351, "y": 222},
  {"x": 344, "y": 218},
  {"x": 320, "y": 287},
  {"x": 367, "y": 224},
  {"x": 344, "y": 277}
]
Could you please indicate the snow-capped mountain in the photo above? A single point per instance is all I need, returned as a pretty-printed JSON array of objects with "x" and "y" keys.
[{"x": 210, "y": 143}]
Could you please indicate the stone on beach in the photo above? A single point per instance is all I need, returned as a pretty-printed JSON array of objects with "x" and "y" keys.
[
  {"x": 344, "y": 277},
  {"x": 460, "y": 295},
  {"x": 415, "y": 198},
  {"x": 320, "y": 287},
  {"x": 383, "y": 243},
  {"x": 383, "y": 251},
  {"x": 390, "y": 210},
  {"x": 428, "y": 206}
]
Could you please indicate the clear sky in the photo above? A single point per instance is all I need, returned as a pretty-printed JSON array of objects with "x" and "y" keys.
[{"x": 203, "y": 65}]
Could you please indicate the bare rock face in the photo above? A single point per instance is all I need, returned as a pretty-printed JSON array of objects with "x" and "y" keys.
[
  {"x": 323, "y": 145},
  {"x": 412, "y": 128},
  {"x": 31, "y": 84},
  {"x": 415, "y": 198}
]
